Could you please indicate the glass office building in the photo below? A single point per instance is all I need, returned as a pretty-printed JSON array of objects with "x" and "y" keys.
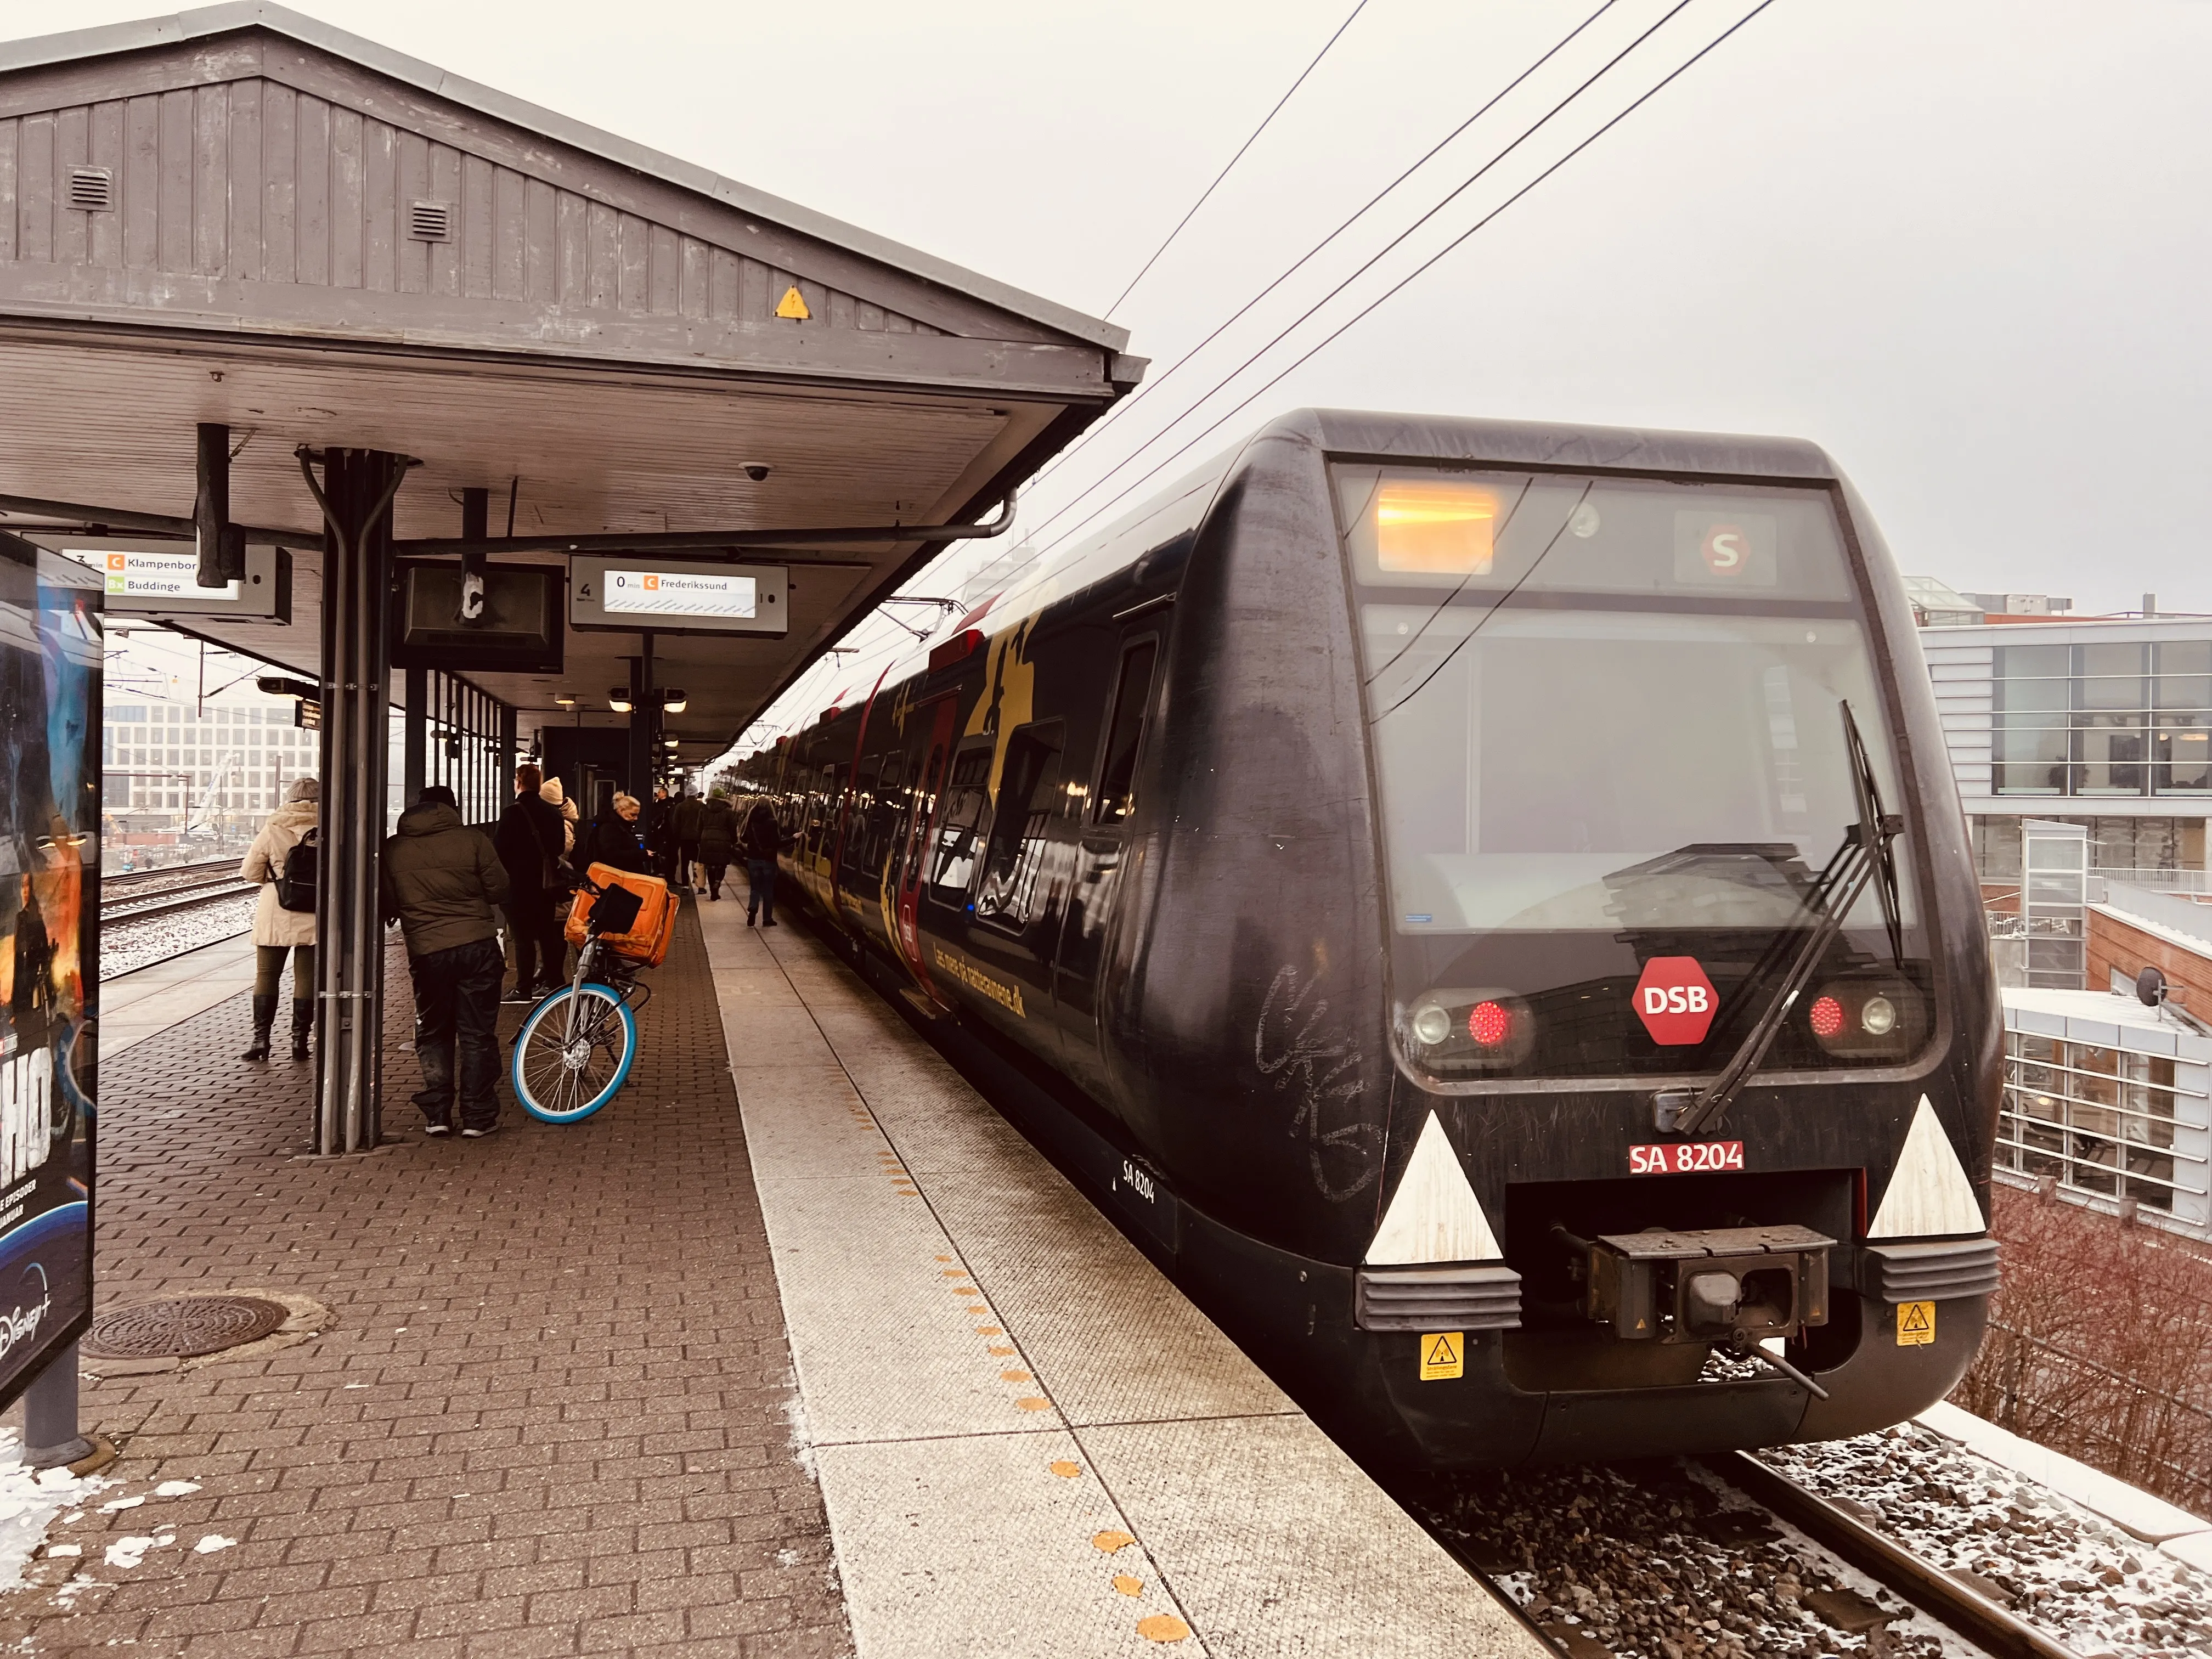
[{"x": 2106, "y": 724}]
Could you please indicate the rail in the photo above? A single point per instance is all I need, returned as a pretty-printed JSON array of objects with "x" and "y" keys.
[
  {"x": 1993, "y": 1629},
  {"x": 139, "y": 895}
]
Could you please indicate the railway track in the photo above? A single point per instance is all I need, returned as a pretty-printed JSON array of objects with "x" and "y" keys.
[
  {"x": 1940, "y": 1594},
  {"x": 147, "y": 916},
  {"x": 1665, "y": 1559},
  {"x": 134, "y": 906}
]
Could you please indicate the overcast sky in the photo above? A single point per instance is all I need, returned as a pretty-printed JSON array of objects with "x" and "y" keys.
[{"x": 1962, "y": 244}]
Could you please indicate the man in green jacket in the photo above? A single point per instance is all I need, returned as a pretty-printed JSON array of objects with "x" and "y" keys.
[{"x": 441, "y": 880}]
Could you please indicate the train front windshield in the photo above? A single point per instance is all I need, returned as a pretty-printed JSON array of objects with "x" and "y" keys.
[{"x": 1609, "y": 717}]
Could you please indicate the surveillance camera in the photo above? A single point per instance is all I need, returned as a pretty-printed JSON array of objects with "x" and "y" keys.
[{"x": 756, "y": 471}]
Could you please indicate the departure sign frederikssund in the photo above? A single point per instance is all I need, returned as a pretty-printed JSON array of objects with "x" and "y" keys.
[{"x": 1675, "y": 1000}]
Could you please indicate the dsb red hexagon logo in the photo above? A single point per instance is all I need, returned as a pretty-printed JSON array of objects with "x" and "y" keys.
[{"x": 1675, "y": 1000}]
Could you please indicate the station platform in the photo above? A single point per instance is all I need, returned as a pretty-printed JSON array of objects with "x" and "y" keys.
[
  {"x": 797, "y": 1349},
  {"x": 1028, "y": 1441}
]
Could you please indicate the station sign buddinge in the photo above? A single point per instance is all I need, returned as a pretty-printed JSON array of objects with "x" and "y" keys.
[
  {"x": 154, "y": 578},
  {"x": 50, "y": 730}
]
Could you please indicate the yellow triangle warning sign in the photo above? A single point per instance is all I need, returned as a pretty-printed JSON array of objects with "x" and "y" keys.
[
  {"x": 1443, "y": 1355},
  {"x": 1915, "y": 1324},
  {"x": 792, "y": 305}
]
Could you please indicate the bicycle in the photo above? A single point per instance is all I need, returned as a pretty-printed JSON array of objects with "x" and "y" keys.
[{"x": 575, "y": 1046}]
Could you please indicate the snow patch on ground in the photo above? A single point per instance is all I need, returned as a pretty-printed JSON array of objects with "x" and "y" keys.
[{"x": 28, "y": 1503}]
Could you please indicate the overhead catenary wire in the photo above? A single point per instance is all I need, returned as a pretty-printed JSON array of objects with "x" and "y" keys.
[
  {"x": 1145, "y": 269},
  {"x": 1380, "y": 254},
  {"x": 1394, "y": 288},
  {"x": 1153, "y": 383},
  {"x": 1398, "y": 286}
]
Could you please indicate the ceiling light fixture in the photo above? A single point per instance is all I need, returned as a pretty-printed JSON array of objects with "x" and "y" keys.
[
  {"x": 618, "y": 699},
  {"x": 673, "y": 702}
]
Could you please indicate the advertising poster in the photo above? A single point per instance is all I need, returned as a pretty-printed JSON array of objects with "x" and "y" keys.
[{"x": 49, "y": 723}]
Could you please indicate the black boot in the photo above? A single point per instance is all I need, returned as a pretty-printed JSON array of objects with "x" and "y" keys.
[
  {"x": 264, "y": 1016},
  {"x": 303, "y": 1021}
]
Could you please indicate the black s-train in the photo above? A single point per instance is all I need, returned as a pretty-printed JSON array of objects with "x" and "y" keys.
[{"x": 1354, "y": 858}]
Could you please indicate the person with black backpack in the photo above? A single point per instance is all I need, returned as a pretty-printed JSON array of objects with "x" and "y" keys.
[{"x": 282, "y": 860}]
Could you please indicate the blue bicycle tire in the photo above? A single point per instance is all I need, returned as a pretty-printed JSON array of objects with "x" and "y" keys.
[{"x": 575, "y": 1111}]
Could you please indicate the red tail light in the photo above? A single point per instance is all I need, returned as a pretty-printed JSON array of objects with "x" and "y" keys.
[
  {"x": 1826, "y": 1017},
  {"x": 1489, "y": 1025}
]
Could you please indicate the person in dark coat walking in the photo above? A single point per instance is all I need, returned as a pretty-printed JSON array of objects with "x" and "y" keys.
[
  {"x": 439, "y": 881},
  {"x": 613, "y": 839},
  {"x": 686, "y": 816},
  {"x": 718, "y": 840},
  {"x": 764, "y": 841},
  {"x": 531, "y": 837}
]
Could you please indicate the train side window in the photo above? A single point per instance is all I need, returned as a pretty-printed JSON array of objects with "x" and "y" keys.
[
  {"x": 860, "y": 817},
  {"x": 952, "y": 865},
  {"x": 1125, "y": 732},
  {"x": 1029, "y": 791}
]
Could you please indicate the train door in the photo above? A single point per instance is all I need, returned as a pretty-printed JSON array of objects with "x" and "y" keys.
[
  {"x": 1018, "y": 877},
  {"x": 910, "y": 869},
  {"x": 1101, "y": 842}
]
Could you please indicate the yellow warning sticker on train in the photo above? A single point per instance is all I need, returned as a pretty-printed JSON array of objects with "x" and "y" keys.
[
  {"x": 792, "y": 305},
  {"x": 1915, "y": 1324},
  {"x": 1443, "y": 1354}
]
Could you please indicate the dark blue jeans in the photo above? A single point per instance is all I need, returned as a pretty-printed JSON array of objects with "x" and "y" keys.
[
  {"x": 457, "y": 1031},
  {"x": 760, "y": 874}
]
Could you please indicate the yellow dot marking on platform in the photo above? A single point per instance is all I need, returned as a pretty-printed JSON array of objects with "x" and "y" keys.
[
  {"x": 1015, "y": 1377},
  {"x": 1915, "y": 1324},
  {"x": 1443, "y": 1355},
  {"x": 1128, "y": 1586},
  {"x": 979, "y": 1311},
  {"x": 945, "y": 1258},
  {"x": 954, "y": 1272},
  {"x": 1032, "y": 1403},
  {"x": 1066, "y": 1470},
  {"x": 1108, "y": 1542},
  {"x": 1162, "y": 1628},
  {"x": 1001, "y": 1349},
  {"x": 989, "y": 1330}
]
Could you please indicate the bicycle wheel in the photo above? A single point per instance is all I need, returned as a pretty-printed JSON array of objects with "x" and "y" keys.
[{"x": 573, "y": 1053}]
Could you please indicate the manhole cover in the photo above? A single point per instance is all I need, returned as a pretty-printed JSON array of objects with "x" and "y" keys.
[{"x": 182, "y": 1327}]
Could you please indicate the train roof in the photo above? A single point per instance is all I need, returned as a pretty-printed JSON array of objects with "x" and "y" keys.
[
  {"x": 1002, "y": 595},
  {"x": 1545, "y": 443}
]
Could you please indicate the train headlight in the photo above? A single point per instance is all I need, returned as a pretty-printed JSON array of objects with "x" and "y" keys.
[
  {"x": 1459, "y": 1031},
  {"x": 1875, "y": 1019}
]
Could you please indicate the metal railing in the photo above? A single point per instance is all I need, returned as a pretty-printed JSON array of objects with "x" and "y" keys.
[{"x": 2159, "y": 881}]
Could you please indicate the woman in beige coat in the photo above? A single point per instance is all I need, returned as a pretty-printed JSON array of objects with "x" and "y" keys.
[{"x": 277, "y": 930}]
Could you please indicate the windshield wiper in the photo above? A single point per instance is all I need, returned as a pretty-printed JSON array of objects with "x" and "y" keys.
[{"x": 1864, "y": 858}]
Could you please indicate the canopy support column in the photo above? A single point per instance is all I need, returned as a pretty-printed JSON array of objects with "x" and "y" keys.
[
  {"x": 643, "y": 705},
  {"x": 358, "y": 485},
  {"x": 415, "y": 742}
]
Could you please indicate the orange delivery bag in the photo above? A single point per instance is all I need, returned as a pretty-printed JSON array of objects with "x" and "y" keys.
[{"x": 645, "y": 941}]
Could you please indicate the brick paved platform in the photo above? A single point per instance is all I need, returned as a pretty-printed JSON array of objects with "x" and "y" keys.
[{"x": 552, "y": 1414}]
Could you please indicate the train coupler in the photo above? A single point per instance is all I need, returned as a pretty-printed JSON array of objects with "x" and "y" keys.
[{"x": 1724, "y": 1285}]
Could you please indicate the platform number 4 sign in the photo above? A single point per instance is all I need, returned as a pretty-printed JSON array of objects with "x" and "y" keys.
[
  {"x": 1915, "y": 1324},
  {"x": 1443, "y": 1354}
]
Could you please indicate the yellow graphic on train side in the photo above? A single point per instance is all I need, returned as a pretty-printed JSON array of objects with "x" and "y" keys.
[
  {"x": 1008, "y": 701},
  {"x": 1007, "y": 996}
]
